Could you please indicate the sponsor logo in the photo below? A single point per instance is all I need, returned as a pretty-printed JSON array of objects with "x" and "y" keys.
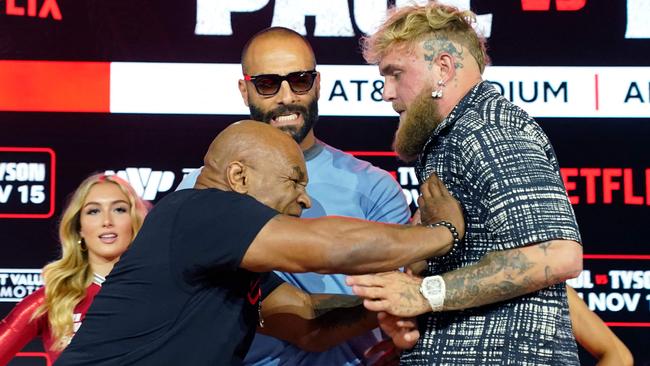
[
  {"x": 607, "y": 185},
  {"x": 333, "y": 18},
  {"x": 356, "y": 90},
  {"x": 146, "y": 182},
  {"x": 26, "y": 182},
  {"x": 15, "y": 284},
  {"x": 615, "y": 286},
  {"x": 337, "y": 18},
  {"x": 31, "y": 8}
]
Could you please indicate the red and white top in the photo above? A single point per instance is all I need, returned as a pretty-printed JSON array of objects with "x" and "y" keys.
[{"x": 17, "y": 329}]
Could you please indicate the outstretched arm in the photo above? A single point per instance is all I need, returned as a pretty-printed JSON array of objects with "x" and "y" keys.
[
  {"x": 314, "y": 322},
  {"x": 497, "y": 277},
  {"x": 345, "y": 245},
  {"x": 594, "y": 335}
]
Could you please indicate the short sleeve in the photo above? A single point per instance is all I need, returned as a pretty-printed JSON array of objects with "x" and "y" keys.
[
  {"x": 521, "y": 188},
  {"x": 387, "y": 202},
  {"x": 270, "y": 281},
  {"x": 213, "y": 229}
]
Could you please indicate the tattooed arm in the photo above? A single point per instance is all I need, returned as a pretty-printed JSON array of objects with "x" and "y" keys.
[{"x": 497, "y": 277}]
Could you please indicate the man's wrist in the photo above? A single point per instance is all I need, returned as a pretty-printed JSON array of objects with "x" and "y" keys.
[
  {"x": 455, "y": 236},
  {"x": 433, "y": 290}
]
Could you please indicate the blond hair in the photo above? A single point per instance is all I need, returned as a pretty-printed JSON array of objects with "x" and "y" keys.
[
  {"x": 67, "y": 278},
  {"x": 407, "y": 25}
]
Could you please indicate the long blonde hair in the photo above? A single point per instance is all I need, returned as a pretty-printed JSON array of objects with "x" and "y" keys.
[
  {"x": 409, "y": 24},
  {"x": 67, "y": 278}
]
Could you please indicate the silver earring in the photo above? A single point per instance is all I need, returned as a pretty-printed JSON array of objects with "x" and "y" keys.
[{"x": 438, "y": 93}]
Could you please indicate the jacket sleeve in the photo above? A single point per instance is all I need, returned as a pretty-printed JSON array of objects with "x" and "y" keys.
[{"x": 18, "y": 328}]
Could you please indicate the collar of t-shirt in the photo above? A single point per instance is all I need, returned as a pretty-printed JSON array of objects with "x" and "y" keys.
[
  {"x": 313, "y": 151},
  {"x": 98, "y": 279}
]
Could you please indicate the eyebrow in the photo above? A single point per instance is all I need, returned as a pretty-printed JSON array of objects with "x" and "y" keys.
[
  {"x": 388, "y": 69},
  {"x": 299, "y": 172},
  {"x": 112, "y": 203}
]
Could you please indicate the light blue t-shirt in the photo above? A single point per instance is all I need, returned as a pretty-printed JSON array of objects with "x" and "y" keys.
[{"x": 341, "y": 185}]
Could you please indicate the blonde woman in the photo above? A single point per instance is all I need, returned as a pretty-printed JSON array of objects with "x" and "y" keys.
[{"x": 98, "y": 225}]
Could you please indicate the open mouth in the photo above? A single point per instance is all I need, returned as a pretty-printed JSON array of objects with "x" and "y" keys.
[
  {"x": 286, "y": 119},
  {"x": 108, "y": 238}
]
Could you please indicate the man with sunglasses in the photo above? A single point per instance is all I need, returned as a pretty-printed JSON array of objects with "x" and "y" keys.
[{"x": 281, "y": 87}]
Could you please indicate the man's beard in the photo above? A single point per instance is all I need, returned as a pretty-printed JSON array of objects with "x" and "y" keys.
[
  {"x": 309, "y": 116},
  {"x": 413, "y": 132}
]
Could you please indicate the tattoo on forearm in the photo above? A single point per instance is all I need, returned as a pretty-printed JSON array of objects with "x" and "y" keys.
[
  {"x": 543, "y": 246},
  {"x": 439, "y": 43},
  {"x": 498, "y": 276}
]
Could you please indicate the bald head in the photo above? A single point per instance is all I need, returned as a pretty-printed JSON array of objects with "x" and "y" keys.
[
  {"x": 292, "y": 43},
  {"x": 258, "y": 160},
  {"x": 250, "y": 143}
]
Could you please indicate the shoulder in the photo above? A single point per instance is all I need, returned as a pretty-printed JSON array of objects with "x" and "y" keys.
[
  {"x": 497, "y": 116},
  {"x": 341, "y": 160}
]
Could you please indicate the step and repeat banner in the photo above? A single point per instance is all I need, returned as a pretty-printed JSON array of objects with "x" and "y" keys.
[{"x": 140, "y": 88}]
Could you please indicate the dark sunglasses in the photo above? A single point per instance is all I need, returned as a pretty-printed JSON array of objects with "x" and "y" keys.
[{"x": 269, "y": 84}]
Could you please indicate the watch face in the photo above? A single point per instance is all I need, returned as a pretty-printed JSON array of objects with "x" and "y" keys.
[{"x": 432, "y": 289}]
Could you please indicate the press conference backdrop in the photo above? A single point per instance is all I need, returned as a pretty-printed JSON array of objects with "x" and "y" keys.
[{"x": 141, "y": 88}]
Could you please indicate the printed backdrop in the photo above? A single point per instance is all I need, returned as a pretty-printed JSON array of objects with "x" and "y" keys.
[{"x": 140, "y": 88}]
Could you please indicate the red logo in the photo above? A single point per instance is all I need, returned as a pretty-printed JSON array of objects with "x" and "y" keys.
[
  {"x": 48, "y": 8},
  {"x": 254, "y": 292},
  {"x": 545, "y": 5}
]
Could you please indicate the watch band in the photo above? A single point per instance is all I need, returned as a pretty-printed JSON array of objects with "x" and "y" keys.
[{"x": 433, "y": 289}]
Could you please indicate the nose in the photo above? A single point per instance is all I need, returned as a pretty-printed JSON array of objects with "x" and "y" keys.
[
  {"x": 304, "y": 200},
  {"x": 285, "y": 94},
  {"x": 388, "y": 94},
  {"x": 107, "y": 220}
]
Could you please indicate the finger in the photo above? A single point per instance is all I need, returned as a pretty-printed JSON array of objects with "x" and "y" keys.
[
  {"x": 370, "y": 292},
  {"x": 420, "y": 204},
  {"x": 364, "y": 280},
  {"x": 407, "y": 323},
  {"x": 431, "y": 187},
  {"x": 376, "y": 305},
  {"x": 412, "y": 336},
  {"x": 442, "y": 188},
  {"x": 416, "y": 219},
  {"x": 425, "y": 189}
]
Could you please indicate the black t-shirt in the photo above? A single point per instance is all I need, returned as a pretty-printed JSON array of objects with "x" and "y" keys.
[{"x": 178, "y": 296}]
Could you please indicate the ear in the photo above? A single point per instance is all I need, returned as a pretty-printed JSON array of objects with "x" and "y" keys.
[
  {"x": 243, "y": 90},
  {"x": 317, "y": 85},
  {"x": 447, "y": 64},
  {"x": 236, "y": 177}
]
